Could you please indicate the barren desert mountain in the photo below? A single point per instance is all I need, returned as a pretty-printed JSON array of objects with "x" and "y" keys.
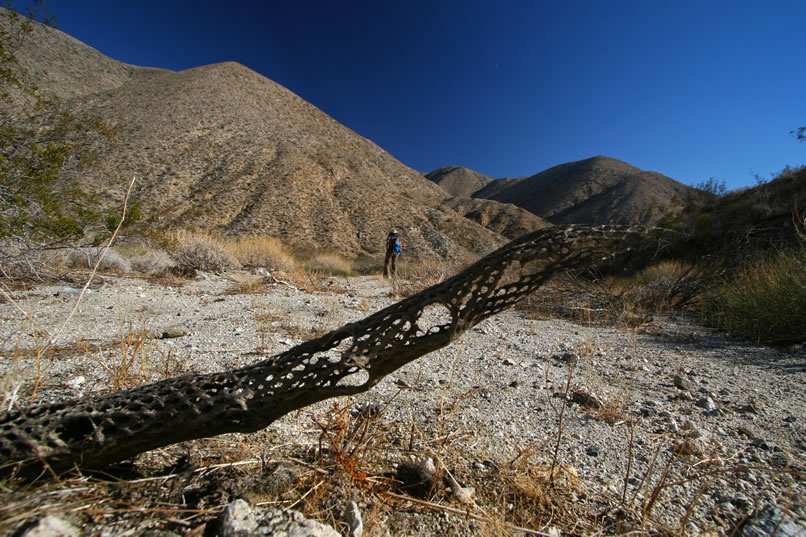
[
  {"x": 458, "y": 181},
  {"x": 64, "y": 66},
  {"x": 224, "y": 149},
  {"x": 597, "y": 190}
]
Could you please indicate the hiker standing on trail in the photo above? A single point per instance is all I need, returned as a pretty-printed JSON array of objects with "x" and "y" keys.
[{"x": 393, "y": 249}]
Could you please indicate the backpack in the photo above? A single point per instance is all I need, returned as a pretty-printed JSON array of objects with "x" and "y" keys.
[{"x": 395, "y": 245}]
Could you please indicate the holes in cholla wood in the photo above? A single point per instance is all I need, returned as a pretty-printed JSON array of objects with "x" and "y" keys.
[{"x": 433, "y": 319}]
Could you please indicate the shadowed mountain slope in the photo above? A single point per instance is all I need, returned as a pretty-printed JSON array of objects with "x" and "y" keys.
[
  {"x": 597, "y": 190},
  {"x": 458, "y": 181},
  {"x": 503, "y": 218}
]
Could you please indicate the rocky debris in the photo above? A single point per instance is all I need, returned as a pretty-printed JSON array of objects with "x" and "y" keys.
[
  {"x": 772, "y": 521},
  {"x": 493, "y": 392},
  {"x": 240, "y": 519}
]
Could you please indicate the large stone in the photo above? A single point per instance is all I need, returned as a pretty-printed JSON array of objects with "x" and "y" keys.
[
  {"x": 240, "y": 519},
  {"x": 51, "y": 526}
]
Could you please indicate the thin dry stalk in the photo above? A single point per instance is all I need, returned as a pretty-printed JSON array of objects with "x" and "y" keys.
[
  {"x": 629, "y": 461},
  {"x": 462, "y": 512},
  {"x": 94, "y": 268},
  {"x": 560, "y": 420}
]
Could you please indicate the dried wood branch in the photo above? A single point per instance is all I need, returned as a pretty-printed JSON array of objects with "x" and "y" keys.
[{"x": 97, "y": 431}]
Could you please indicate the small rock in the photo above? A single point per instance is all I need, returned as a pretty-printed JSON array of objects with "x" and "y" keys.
[
  {"x": 707, "y": 403},
  {"x": 593, "y": 451},
  {"x": 416, "y": 476},
  {"x": 747, "y": 432},
  {"x": 682, "y": 383},
  {"x": 70, "y": 291},
  {"x": 771, "y": 521},
  {"x": 170, "y": 333},
  {"x": 689, "y": 446},
  {"x": 791, "y": 419},
  {"x": 514, "y": 384},
  {"x": 353, "y": 520}
]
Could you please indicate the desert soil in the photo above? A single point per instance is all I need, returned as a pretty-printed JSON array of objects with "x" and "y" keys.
[{"x": 673, "y": 426}]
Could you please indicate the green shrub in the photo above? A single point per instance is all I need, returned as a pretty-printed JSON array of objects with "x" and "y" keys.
[{"x": 766, "y": 301}]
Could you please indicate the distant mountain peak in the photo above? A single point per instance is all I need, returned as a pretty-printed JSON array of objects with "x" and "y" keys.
[{"x": 596, "y": 190}]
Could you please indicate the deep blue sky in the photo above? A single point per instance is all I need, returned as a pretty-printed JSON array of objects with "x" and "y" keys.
[{"x": 691, "y": 89}]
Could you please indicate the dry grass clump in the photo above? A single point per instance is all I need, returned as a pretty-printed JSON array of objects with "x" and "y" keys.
[
  {"x": 329, "y": 263},
  {"x": 263, "y": 252},
  {"x": 86, "y": 258},
  {"x": 631, "y": 302},
  {"x": 200, "y": 252},
  {"x": 766, "y": 301},
  {"x": 152, "y": 262},
  {"x": 414, "y": 276}
]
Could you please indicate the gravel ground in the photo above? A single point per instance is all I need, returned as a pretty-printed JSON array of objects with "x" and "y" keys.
[{"x": 724, "y": 419}]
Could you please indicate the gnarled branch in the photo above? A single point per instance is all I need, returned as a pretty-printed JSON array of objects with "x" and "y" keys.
[{"x": 99, "y": 430}]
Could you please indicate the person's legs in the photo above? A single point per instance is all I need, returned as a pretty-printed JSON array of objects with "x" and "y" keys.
[
  {"x": 387, "y": 264},
  {"x": 393, "y": 267}
]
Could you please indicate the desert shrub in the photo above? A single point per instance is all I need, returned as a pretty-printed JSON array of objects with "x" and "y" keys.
[
  {"x": 665, "y": 286},
  {"x": 86, "y": 258},
  {"x": 201, "y": 252},
  {"x": 766, "y": 301},
  {"x": 152, "y": 262},
  {"x": 266, "y": 252},
  {"x": 332, "y": 264}
]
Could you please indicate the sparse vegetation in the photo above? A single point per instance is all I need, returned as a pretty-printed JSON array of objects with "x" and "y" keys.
[
  {"x": 331, "y": 264},
  {"x": 263, "y": 252},
  {"x": 346, "y": 450},
  {"x": 201, "y": 252},
  {"x": 45, "y": 152},
  {"x": 765, "y": 301}
]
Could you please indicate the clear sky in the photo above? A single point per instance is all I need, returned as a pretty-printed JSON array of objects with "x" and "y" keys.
[{"x": 692, "y": 89}]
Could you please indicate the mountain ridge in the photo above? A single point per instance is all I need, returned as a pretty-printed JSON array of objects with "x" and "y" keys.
[
  {"x": 223, "y": 149},
  {"x": 597, "y": 190}
]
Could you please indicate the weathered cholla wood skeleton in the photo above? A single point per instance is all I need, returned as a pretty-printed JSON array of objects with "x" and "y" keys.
[{"x": 98, "y": 430}]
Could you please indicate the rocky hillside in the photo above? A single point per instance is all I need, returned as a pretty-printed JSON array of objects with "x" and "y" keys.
[
  {"x": 597, "y": 190},
  {"x": 503, "y": 218},
  {"x": 225, "y": 149},
  {"x": 458, "y": 181}
]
